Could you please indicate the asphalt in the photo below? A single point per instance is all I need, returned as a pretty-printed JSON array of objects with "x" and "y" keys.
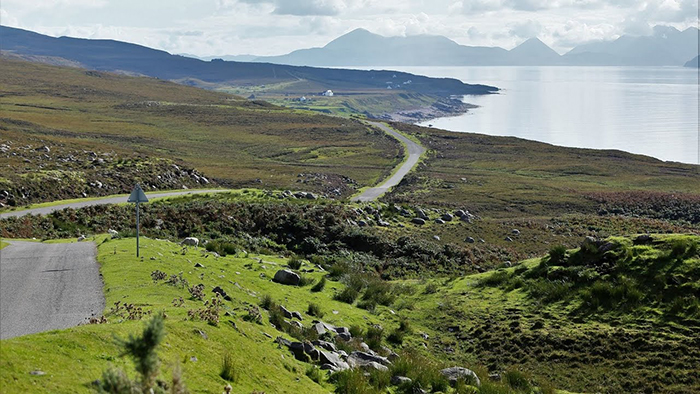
[
  {"x": 414, "y": 153},
  {"x": 48, "y": 286},
  {"x": 101, "y": 201}
]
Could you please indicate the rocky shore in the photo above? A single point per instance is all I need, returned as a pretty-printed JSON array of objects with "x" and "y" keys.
[{"x": 440, "y": 109}]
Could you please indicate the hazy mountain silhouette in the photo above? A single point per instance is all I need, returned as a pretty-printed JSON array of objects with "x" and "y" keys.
[
  {"x": 110, "y": 55},
  {"x": 667, "y": 46},
  {"x": 694, "y": 62}
]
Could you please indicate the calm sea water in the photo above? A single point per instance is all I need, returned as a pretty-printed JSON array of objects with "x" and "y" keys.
[{"x": 652, "y": 111}]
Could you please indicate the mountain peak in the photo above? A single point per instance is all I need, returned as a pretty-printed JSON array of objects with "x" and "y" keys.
[
  {"x": 358, "y": 36},
  {"x": 533, "y": 46}
]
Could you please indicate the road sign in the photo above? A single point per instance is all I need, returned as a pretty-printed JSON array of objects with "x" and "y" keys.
[{"x": 137, "y": 196}]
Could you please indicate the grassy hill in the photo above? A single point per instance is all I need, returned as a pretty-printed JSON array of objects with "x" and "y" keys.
[
  {"x": 496, "y": 323},
  {"x": 72, "y": 128}
]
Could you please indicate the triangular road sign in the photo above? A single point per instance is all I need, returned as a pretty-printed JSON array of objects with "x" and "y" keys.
[{"x": 137, "y": 195}]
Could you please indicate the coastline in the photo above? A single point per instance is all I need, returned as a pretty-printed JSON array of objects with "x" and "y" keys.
[{"x": 443, "y": 108}]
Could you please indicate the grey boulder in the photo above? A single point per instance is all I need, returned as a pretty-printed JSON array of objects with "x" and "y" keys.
[{"x": 287, "y": 277}]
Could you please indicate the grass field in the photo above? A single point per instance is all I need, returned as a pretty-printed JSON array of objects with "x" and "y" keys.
[{"x": 475, "y": 321}]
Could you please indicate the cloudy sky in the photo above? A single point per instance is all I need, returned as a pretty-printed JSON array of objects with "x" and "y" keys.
[{"x": 270, "y": 27}]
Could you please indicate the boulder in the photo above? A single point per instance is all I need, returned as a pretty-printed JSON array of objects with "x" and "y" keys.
[
  {"x": 332, "y": 359},
  {"x": 286, "y": 313},
  {"x": 297, "y": 315},
  {"x": 418, "y": 221},
  {"x": 460, "y": 213},
  {"x": 469, "y": 240},
  {"x": 453, "y": 374},
  {"x": 515, "y": 231},
  {"x": 447, "y": 217},
  {"x": 329, "y": 346},
  {"x": 286, "y": 277},
  {"x": 190, "y": 241},
  {"x": 439, "y": 221},
  {"x": 218, "y": 290},
  {"x": 358, "y": 358},
  {"x": 399, "y": 380},
  {"x": 421, "y": 214}
]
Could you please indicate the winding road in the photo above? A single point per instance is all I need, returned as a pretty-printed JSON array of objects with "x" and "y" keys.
[
  {"x": 48, "y": 286},
  {"x": 414, "y": 153}
]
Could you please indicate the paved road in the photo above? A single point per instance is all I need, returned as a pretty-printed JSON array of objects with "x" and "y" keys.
[
  {"x": 414, "y": 153},
  {"x": 101, "y": 201},
  {"x": 48, "y": 286}
]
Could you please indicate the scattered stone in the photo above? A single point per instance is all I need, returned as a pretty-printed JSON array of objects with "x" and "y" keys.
[
  {"x": 508, "y": 239},
  {"x": 515, "y": 231},
  {"x": 507, "y": 264},
  {"x": 453, "y": 374},
  {"x": 198, "y": 265},
  {"x": 190, "y": 241},
  {"x": 202, "y": 334},
  {"x": 193, "y": 359},
  {"x": 447, "y": 217},
  {"x": 439, "y": 221},
  {"x": 332, "y": 359},
  {"x": 218, "y": 290},
  {"x": 297, "y": 315},
  {"x": 285, "y": 312},
  {"x": 358, "y": 358},
  {"x": 286, "y": 277},
  {"x": 37, "y": 373},
  {"x": 436, "y": 237},
  {"x": 470, "y": 240},
  {"x": 399, "y": 380},
  {"x": 418, "y": 221},
  {"x": 325, "y": 345}
]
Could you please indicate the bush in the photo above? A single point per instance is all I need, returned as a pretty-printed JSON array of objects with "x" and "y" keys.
[
  {"x": 266, "y": 302},
  {"x": 374, "y": 337},
  {"x": 229, "y": 372},
  {"x": 318, "y": 287},
  {"x": 314, "y": 373},
  {"x": 431, "y": 288},
  {"x": 348, "y": 295},
  {"x": 517, "y": 380},
  {"x": 305, "y": 281},
  {"x": 314, "y": 310},
  {"x": 294, "y": 262},
  {"x": 379, "y": 292},
  {"x": 352, "y": 381},
  {"x": 423, "y": 372},
  {"x": 557, "y": 255}
]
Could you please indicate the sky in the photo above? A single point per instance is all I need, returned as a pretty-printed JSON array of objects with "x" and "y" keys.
[{"x": 273, "y": 27}]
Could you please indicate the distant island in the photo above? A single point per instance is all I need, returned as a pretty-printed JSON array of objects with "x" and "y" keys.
[
  {"x": 667, "y": 46},
  {"x": 694, "y": 62}
]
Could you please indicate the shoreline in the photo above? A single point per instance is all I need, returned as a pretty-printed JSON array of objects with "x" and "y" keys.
[{"x": 443, "y": 108}]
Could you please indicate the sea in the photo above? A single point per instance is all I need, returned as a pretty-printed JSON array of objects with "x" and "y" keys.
[{"x": 652, "y": 111}]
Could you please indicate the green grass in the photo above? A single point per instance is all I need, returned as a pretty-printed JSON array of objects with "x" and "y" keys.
[{"x": 4, "y": 244}]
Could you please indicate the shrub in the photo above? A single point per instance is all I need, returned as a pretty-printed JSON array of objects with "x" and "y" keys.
[
  {"x": 517, "y": 380},
  {"x": 158, "y": 275},
  {"x": 356, "y": 331},
  {"x": 210, "y": 312},
  {"x": 374, "y": 337},
  {"x": 314, "y": 373},
  {"x": 379, "y": 292},
  {"x": 314, "y": 310},
  {"x": 197, "y": 292},
  {"x": 423, "y": 372},
  {"x": 318, "y": 287},
  {"x": 294, "y": 262},
  {"x": 229, "y": 372},
  {"x": 267, "y": 302},
  {"x": 431, "y": 288},
  {"x": 348, "y": 295},
  {"x": 305, "y": 281},
  {"x": 352, "y": 381},
  {"x": 557, "y": 255}
]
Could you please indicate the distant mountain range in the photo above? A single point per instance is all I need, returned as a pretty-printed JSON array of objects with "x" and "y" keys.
[
  {"x": 110, "y": 55},
  {"x": 667, "y": 46},
  {"x": 694, "y": 62}
]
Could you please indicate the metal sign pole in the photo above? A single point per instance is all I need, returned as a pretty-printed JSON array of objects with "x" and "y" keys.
[
  {"x": 137, "y": 229},
  {"x": 137, "y": 196}
]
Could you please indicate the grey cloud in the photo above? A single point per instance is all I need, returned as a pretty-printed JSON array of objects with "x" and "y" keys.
[{"x": 526, "y": 29}]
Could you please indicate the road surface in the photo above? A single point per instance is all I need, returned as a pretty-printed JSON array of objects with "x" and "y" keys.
[
  {"x": 48, "y": 286},
  {"x": 100, "y": 201},
  {"x": 414, "y": 153}
]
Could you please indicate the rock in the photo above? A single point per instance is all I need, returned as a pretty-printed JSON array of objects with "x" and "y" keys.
[
  {"x": 286, "y": 277},
  {"x": 453, "y": 374},
  {"x": 507, "y": 264},
  {"x": 460, "y": 213},
  {"x": 643, "y": 239},
  {"x": 81, "y": 238},
  {"x": 383, "y": 223},
  {"x": 447, "y": 217},
  {"x": 418, "y": 221},
  {"x": 218, "y": 290},
  {"x": 439, "y": 221},
  {"x": 297, "y": 315},
  {"x": 399, "y": 380},
  {"x": 508, "y": 239},
  {"x": 190, "y": 241},
  {"x": 421, "y": 214},
  {"x": 198, "y": 265},
  {"x": 285, "y": 312},
  {"x": 37, "y": 373},
  {"x": 320, "y": 328},
  {"x": 436, "y": 237},
  {"x": 469, "y": 240},
  {"x": 325, "y": 345},
  {"x": 515, "y": 231},
  {"x": 332, "y": 359},
  {"x": 283, "y": 342},
  {"x": 345, "y": 336},
  {"x": 365, "y": 348},
  {"x": 358, "y": 358},
  {"x": 362, "y": 223}
]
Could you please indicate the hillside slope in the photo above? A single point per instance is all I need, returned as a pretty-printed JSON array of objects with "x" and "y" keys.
[{"x": 71, "y": 128}]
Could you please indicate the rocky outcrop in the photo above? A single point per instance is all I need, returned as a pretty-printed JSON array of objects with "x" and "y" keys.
[{"x": 287, "y": 277}]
